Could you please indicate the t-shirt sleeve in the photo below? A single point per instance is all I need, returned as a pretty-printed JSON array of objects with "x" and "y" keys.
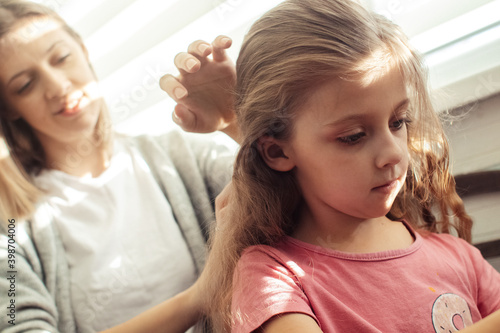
[
  {"x": 488, "y": 282},
  {"x": 265, "y": 285}
]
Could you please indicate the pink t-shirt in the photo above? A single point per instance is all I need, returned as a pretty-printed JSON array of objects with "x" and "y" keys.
[{"x": 438, "y": 284}]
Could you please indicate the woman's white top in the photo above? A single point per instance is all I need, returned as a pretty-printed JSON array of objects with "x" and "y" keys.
[{"x": 124, "y": 249}]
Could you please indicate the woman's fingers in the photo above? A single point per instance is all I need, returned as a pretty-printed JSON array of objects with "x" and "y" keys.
[
  {"x": 200, "y": 49},
  {"x": 192, "y": 60},
  {"x": 186, "y": 119},
  {"x": 173, "y": 87},
  {"x": 220, "y": 45},
  {"x": 202, "y": 90},
  {"x": 222, "y": 199},
  {"x": 222, "y": 202},
  {"x": 181, "y": 115},
  {"x": 186, "y": 62},
  {"x": 198, "y": 52}
]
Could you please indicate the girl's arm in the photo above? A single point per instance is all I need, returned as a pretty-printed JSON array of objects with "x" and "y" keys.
[
  {"x": 292, "y": 323},
  {"x": 296, "y": 322},
  {"x": 489, "y": 324},
  {"x": 175, "y": 315}
]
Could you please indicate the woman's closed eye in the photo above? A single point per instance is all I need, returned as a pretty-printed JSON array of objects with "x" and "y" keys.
[
  {"x": 62, "y": 59},
  {"x": 24, "y": 88}
]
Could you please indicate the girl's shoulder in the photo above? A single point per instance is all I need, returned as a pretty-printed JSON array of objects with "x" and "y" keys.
[
  {"x": 258, "y": 252},
  {"x": 444, "y": 239},
  {"x": 260, "y": 262},
  {"x": 450, "y": 244},
  {"x": 261, "y": 255}
]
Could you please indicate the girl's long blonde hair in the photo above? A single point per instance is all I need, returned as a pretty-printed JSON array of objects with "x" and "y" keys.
[
  {"x": 21, "y": 154},
  {"x": 285, "y": 55}
]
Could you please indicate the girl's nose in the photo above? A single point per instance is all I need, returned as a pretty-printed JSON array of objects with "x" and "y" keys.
[
  {"x": 391, "y": 150},
  {"x": 57, "y": 84}
]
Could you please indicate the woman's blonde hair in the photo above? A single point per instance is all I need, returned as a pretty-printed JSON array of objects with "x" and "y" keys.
[
  {"x": 286, "y": 54},
  {"x": 23, "y": 155}
]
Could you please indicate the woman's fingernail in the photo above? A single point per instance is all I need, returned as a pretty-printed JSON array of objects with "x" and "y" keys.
[
  {"x": 225, "y": 40},
  {"x": 202, "y": 48},
  {"x": 180, "y": 93},
  {"x": 191, "y": 63},
  {"x": 177, "y": 120}
]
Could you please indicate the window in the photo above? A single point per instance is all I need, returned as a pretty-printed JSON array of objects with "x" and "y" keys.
[
  {"x": 133, "y": 42},
  {"x": 460, "y": 40}
]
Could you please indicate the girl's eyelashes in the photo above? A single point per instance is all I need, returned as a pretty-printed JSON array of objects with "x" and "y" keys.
[
  {"x": 357, "y": 137},
  {"x": 398, "y": 124},
  {"x": 352, "y": 139}
]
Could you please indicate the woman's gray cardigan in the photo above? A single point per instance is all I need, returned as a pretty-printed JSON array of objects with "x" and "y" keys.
[{"x": 190, "y": 171}]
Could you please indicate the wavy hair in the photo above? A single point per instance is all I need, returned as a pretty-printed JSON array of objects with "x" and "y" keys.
[
  {"x": 23, "y": 154},
  {"x": 285, "y": 55}
]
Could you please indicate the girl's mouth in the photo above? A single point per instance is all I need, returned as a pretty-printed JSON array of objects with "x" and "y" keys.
[{"x": 388, "y": 187}]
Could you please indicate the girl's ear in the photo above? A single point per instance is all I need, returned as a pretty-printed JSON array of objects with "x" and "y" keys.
[{"x": 273, "y": 154}]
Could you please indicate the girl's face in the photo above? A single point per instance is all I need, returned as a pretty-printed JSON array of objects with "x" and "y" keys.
[
  {"x": 349, "y": 148},
  {"x": 46, "y": 79}
]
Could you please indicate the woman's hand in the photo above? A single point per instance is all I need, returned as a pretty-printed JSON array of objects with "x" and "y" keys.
[
  {"x": 204, "y": 88},
  {"x": 222, "y": 204}
]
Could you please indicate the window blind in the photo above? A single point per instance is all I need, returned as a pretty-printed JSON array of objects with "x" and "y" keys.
[{"x": 132, "y": 43}]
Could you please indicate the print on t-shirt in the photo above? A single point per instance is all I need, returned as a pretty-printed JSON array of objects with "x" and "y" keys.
[{"x": 450, "y": 313}]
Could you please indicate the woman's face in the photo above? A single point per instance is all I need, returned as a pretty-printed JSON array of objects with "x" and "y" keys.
[{"x": 46, "y": 79}]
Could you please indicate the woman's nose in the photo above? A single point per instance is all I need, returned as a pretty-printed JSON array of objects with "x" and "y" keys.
[
  {"x": 57, "y": 84},
  {"x": 391, "y": 150}
]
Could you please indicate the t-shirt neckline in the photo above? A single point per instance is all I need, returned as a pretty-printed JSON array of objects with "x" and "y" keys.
[{"x": 370, "y": 256}]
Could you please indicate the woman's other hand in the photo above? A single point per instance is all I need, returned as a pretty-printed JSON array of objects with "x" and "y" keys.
[{"x": 204, "y": 88}]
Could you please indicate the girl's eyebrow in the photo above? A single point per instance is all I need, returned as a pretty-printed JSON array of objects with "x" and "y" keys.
[
  {"x": 23, "y": 71},
  {"x": 360, "y": 116},
  {"x": 403, "y": 104}
]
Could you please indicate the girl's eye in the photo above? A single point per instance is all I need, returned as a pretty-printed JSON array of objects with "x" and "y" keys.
[
  {"x": 398, "y": 124},
  {"x": 352, "y": 139}
]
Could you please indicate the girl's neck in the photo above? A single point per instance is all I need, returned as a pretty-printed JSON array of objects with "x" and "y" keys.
[
  {"x": 354, "y": 235},
  {"x": 82, "y": 157}
]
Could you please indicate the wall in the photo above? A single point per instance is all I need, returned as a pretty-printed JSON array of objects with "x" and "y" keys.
[{"x": 475, "y": 146}]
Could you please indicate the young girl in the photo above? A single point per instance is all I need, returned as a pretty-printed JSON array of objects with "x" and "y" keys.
[
  {"x": 95, "y": 228},
  {"x": 342, "y": 204}
]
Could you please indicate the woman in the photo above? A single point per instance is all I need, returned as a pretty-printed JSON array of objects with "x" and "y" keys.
[{"x": 101, "y": 226}]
